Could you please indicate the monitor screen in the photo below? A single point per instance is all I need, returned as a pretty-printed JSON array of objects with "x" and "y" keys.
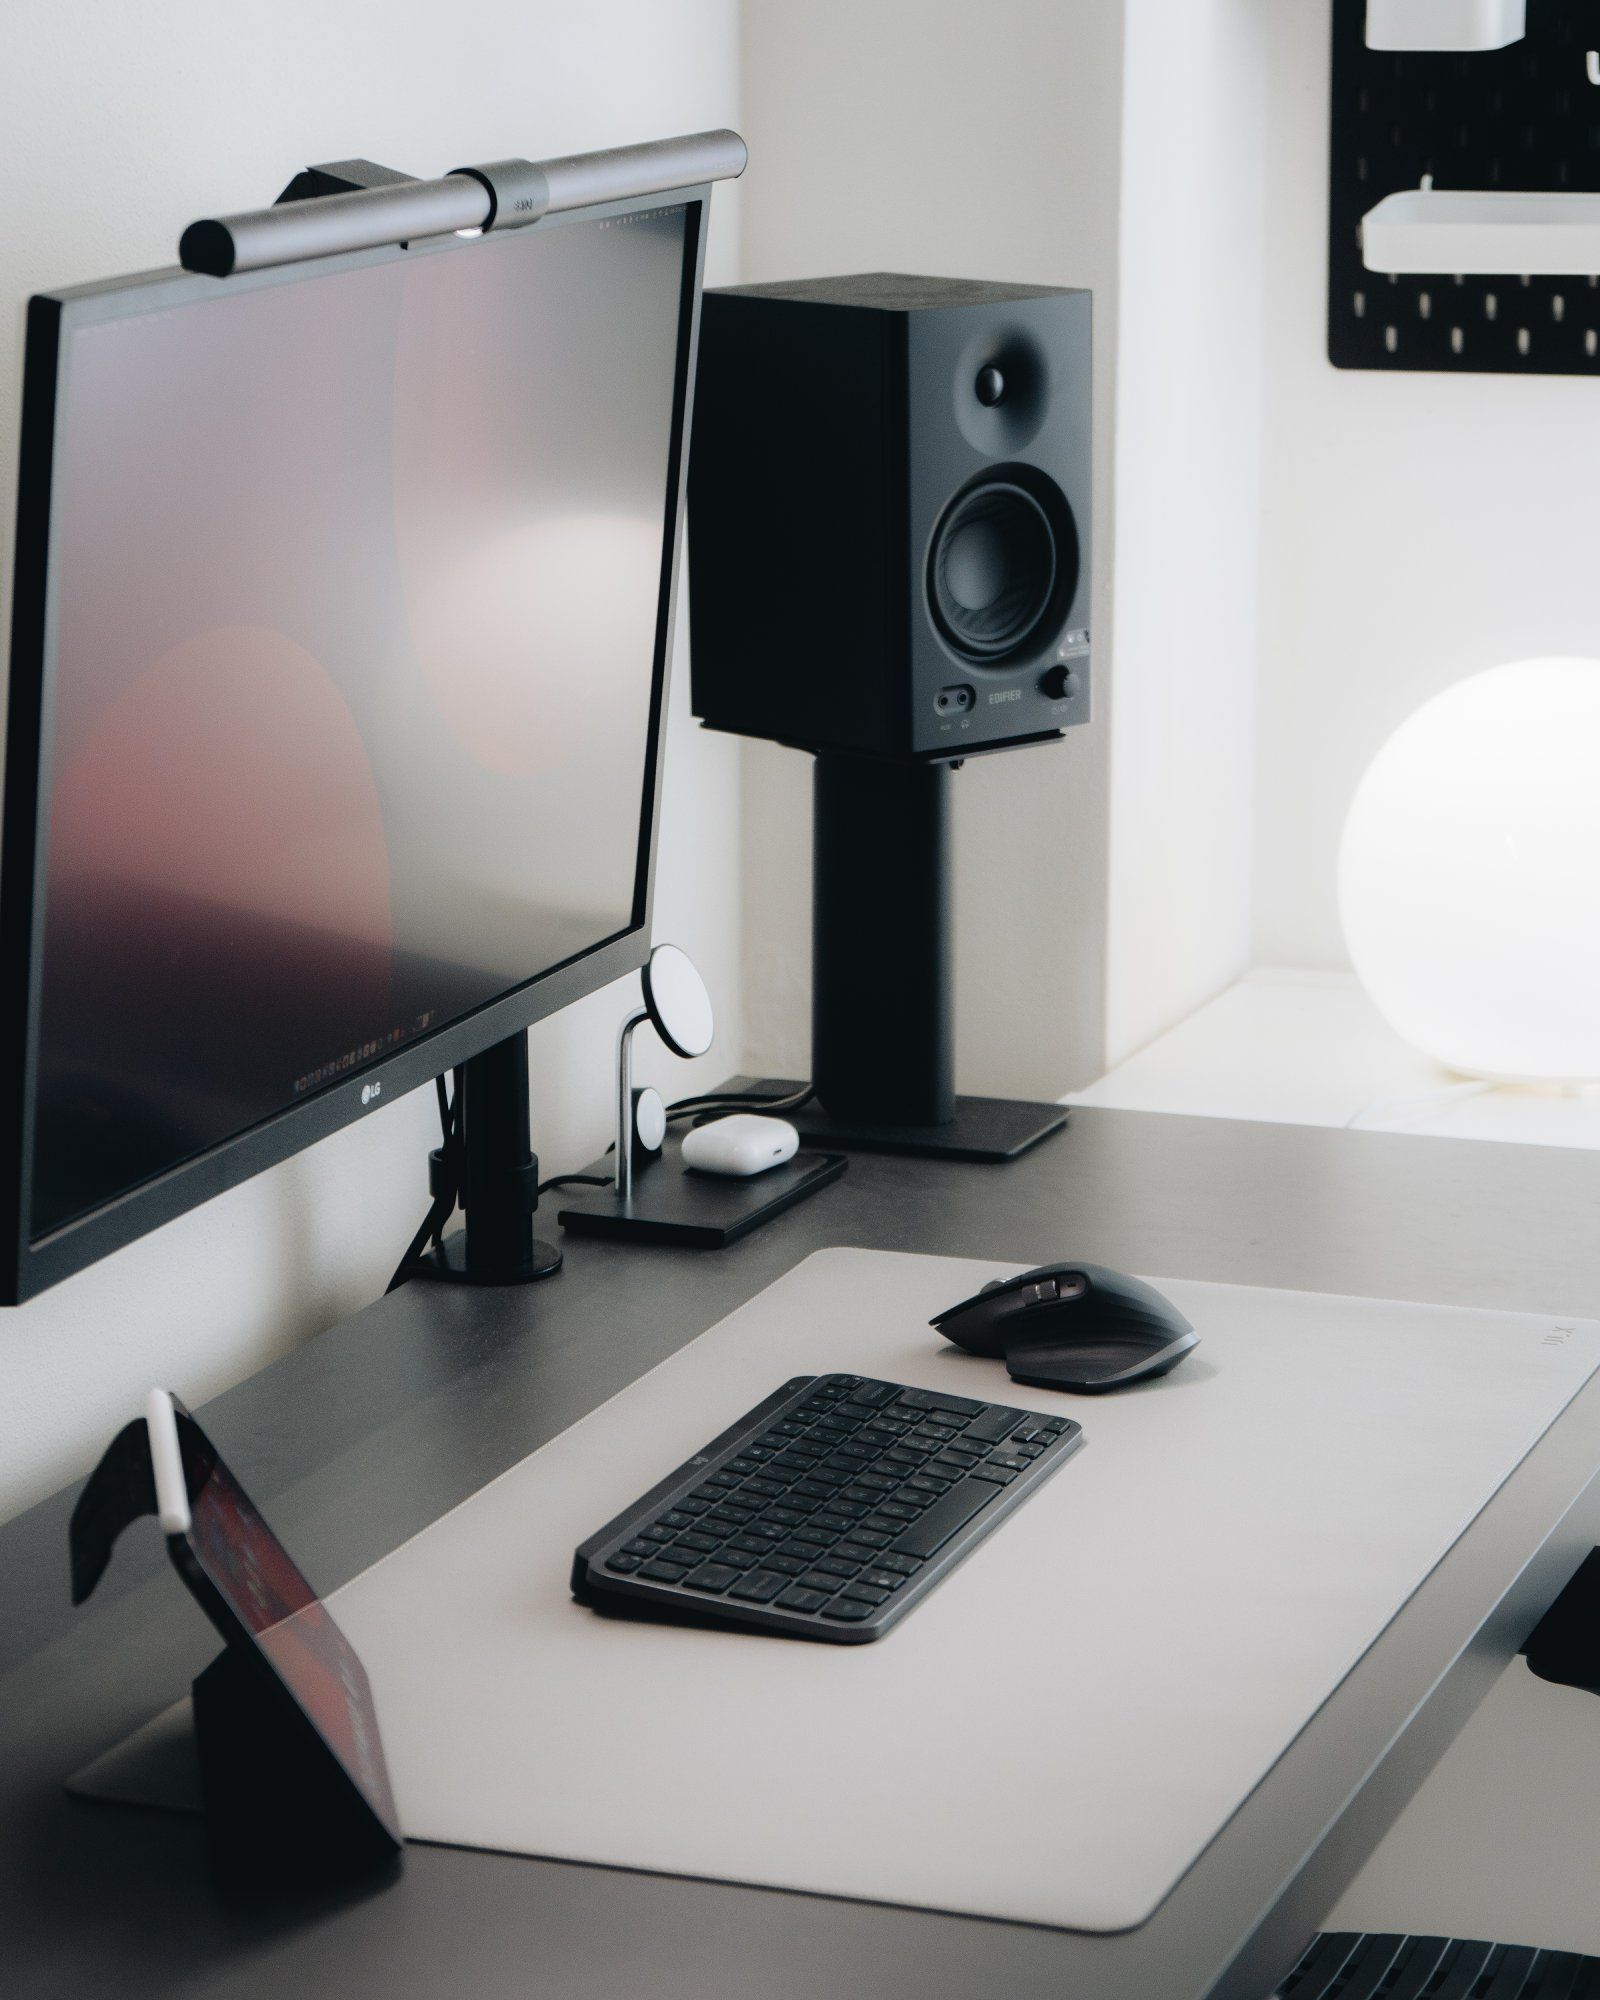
[{"x": 355, "y": 608}]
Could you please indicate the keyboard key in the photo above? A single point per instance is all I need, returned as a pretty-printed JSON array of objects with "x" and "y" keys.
[
  {"x": 863, "y": 1593},
  {"x": 875, "y": 1394},
  {"x": 907, "y": 1565},
  {"x": 701, "y": 1544},
  {"x": 881, "y": 1579},
  {"x": 1011, "y": 1460},
  {"x": 996, "y": 1475},
  {"x": 927, "y": 1482},
  {"x": 812, "y": 1489},
  {"x": 743, "y": 1545},
  {"x": 927, "y": 1399},
  {"x": 818, "y": 1579},
  {"x": 814, "y": 1531},
  {"x": 712, "y": 1577},
  {"x": 856, "y": 1551},
  {"x": 624, "y": 1564},
  {"x": 656, "y": 1535},
  {"x": 927, "y": 1536},
  {"x": 676, "y": 1519},
  {"x": 993, "y": 1425},
  {"x": 848, "y": 1610},
  {"x": 871, "y": 1538},
  {"x": 760, "y": 1587},
  {"x": 837, "y": 1565},
  {"x": 767, "y": 1488},
  {"x": 897, "y": 1510},
  {"x": 798, "y": 1598},
  {"x": 662, "y": 1571},
  {"x": 785, "y": 1565},
  {"x": 692, "y": 1506}
]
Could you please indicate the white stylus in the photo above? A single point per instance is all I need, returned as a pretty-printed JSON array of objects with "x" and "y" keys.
[{"x": 166, "y": 1462}]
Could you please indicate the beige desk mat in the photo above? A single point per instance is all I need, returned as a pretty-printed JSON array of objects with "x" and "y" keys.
[{"x": 1092, "y": 1694}]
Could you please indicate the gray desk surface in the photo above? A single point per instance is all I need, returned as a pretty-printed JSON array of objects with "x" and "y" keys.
[{"x": 371, "y": 1431}]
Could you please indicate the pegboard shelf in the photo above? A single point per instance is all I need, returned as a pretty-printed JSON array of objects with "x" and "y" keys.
[
  {"x": 1493, "y": 231},
  {"x": 1522, "y": 119}
]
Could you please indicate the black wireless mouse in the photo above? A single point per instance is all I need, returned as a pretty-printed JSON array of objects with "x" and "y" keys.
[{"x": 1072, "y": 1326}]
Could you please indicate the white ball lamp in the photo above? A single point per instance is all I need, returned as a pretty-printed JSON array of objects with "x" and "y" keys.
[{"x": 1469, "y": 875}]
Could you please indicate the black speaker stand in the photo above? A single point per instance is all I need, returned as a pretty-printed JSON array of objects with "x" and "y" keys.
[{"x": 882, "y": 1009}]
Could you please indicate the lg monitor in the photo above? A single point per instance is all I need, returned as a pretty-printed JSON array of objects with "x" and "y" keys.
[{"x": 342, "y": 623}]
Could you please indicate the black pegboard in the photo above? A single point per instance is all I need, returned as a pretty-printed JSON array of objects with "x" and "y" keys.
[{"x": 1524, "y": 117}]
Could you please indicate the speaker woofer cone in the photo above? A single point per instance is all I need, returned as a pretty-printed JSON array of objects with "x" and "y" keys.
[{"x": 992, "y": 570}]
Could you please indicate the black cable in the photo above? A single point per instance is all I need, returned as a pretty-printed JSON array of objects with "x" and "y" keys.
[
  {"x": 443, "y": 1206},
  {"x": 691, "y": 1107},
  {"x": 574, "y": 1180}
]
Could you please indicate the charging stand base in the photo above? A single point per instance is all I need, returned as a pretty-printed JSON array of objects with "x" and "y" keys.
[
  {"x": 671, "y": 1204},
  {"x": 983, "y": 1129}
]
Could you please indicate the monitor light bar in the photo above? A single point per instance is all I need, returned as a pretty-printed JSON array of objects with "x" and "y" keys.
[{"x": 505, "y": 194}]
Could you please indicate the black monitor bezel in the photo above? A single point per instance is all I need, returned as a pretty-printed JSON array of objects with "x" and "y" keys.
[{"x": 28, "y": 1267}]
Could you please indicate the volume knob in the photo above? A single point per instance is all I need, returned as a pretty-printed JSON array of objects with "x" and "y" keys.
[{"x": 1059, "y": 682}]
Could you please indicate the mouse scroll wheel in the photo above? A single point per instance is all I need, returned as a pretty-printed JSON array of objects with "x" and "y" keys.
[{"x": 1036, "y": 1294}]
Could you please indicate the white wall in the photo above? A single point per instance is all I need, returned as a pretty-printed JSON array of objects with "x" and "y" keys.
[
  {"x": 981, "y": 143},
  {"x": 1414, "y": 527},
  {"x": 117, "y": 126},
  {"x": 1188, "y": 462}
]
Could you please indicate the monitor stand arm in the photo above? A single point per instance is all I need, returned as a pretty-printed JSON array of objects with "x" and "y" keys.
[{"x": 498, "y": 1185}]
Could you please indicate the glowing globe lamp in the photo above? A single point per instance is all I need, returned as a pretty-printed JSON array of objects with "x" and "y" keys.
[{"x": 1469, "y": 874}]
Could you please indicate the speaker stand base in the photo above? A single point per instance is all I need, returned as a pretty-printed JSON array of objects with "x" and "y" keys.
[{"x": 985, "y": 1130}]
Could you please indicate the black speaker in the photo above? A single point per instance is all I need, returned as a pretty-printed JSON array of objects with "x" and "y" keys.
[
  {"x": 889, "y": 514},
  {"x": 889, "y": 488}
]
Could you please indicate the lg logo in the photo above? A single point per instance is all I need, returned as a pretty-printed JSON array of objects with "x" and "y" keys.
[{"x": 371, "y": 1092}]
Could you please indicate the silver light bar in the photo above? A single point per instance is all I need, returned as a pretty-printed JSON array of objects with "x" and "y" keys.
[{"x": 506, "y": 194}]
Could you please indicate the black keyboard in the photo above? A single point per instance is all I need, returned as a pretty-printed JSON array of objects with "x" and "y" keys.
[
  {"x": 1373, "y": 1965},
  {"x": 825, "y": 1513}
]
